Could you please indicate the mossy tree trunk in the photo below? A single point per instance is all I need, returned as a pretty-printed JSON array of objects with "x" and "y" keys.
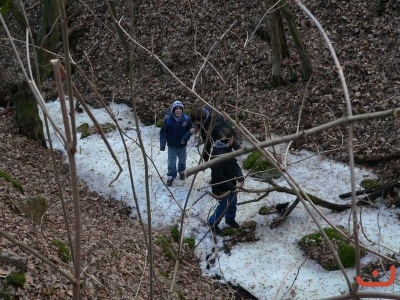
[{"x": 27, "y": 116}]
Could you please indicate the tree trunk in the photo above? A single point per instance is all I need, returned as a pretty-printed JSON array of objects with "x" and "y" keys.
[
  {"x": 278, "y": 45},
  {"x": 27, "y": 114},
  {"x": 280, "y": 50},
  {"x": 290, "y": 19},
  {"x": 47, "y": 37}
]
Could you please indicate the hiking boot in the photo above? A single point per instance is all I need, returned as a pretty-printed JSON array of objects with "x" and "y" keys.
[
  {"x": 215, "y": 229},
  {"x": 182, "y": 175},
  {"x": 169, "y": 181},
  {"x": 232, "y": 223}
]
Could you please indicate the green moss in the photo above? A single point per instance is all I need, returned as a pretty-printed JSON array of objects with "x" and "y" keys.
[
  {"x": 9, "y": 179},
  {"x": 166, "y": 245},
  {"x": 63, "y": 251},
  {"x": 85, "y": 134},
  {"x": 27, "y": 114},
  {"x": 249, "y": 162},
  {"x": 84, "y": 129},
  {"x": 229, "y": 231},
  {"x": 345, "y": 250},
  {"x": 266, "y": 210},
  {"x": 16, "y": 279},
  {"x": 317, "y": 238},
  {"x": 347, "y": 254},
  {"x": 108, "y": 127},
  {"x": 190, "y": 242},
  {"x": 35, "y": 208},
  {"x": 6, "y": 293},
  {"x": 369, "y": 184},
  {"x": 262, "y": 165},
  {"x": 4, "y": 7},
  {"x": 175, "y": 233},
  {"x": 87, "y": 131},
  {"x": 175, "y": 236},
  {"x": 159, "y": 123}
]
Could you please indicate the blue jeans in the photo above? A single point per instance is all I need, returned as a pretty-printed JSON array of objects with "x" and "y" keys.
[
  {"x": 227, "y": 207},
  {"x": 173, "y": 154}
]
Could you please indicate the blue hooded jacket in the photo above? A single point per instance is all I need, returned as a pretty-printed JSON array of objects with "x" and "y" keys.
[{"x": 175, "y": 130}]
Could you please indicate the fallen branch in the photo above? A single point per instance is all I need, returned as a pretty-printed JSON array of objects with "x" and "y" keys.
[
  {"x": 373, "y": 194},
  {"x": 39, "y": 256},
  {"x": 277, "y": 221},
  {"x": 316, "y": 200}
]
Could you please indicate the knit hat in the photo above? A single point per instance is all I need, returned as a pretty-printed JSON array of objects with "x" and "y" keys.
[{"x": 176, "y": 104}]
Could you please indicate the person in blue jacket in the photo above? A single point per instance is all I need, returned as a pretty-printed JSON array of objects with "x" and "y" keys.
[{"x": 175, "y": 132}]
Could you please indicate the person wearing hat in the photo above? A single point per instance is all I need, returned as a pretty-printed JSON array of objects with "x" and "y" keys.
[
  {"x": 224, "y": 179},
  {"x": 202, "y": 117},
  {"x": 175, "y": 133}
]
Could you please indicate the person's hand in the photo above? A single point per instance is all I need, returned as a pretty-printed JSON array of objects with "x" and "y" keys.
[
  {"x": 183, "y": 142},
  {"x": 241, "y": 183},
  {"x": 237, "y": 190}
]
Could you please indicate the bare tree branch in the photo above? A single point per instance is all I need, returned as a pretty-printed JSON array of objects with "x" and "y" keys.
[{"x": 295, "y": 136}]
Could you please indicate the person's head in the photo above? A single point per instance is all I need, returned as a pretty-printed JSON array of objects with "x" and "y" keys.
[
  {"x": 177, "y": 108},
  {"x": 226, "y": 135},
  {"x": 199, "y": 115}
]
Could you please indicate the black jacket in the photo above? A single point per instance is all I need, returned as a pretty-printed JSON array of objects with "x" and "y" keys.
[{"x": 224, "y": 176}]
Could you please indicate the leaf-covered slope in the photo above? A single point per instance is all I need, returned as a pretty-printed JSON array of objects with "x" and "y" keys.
[{"x": 183, "y": 34}]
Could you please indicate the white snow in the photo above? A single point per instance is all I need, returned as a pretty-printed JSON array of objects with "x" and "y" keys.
[{"x": 274, "y": 267}]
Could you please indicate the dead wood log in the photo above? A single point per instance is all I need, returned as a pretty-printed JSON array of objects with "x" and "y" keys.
[
  {"x": 373, "y": 194},
  {"x": 316, "y": 200},
  {"x": 278, "y": 220},
  {"x": 275, "y": 188},
  {"x": 376, "y": 159},
  {"x": 358, "y": 193}
]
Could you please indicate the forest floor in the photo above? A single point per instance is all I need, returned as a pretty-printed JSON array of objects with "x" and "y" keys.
[{"x": 114, "y": 255}]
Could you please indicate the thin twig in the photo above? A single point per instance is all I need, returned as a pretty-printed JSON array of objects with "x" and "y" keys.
[
  {"x": 37, "y": 255},
  {"x": 350, "y": 138}
]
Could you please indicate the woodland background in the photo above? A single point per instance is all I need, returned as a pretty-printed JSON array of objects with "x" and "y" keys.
[{"x": 365, "y": 36}]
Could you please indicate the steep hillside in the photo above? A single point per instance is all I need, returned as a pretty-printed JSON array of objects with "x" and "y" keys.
[
  {"x": 364, "y": 35},
  {"x": 182, "y": 34},
  {"x": 114, "y": 256}
]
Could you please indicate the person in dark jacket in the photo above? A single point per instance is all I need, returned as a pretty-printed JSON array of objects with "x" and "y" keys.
[
  {"x": 175, "y": 133},
  {"x": 224, "y": 179},
  {"x": 203, "y": 116}
]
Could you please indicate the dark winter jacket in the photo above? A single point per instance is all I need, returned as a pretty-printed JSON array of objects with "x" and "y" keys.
[
  {"x": 214, "y": 132},
  {"x": 224, "y": 176},
  {"x": 174, "y": 131}
]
